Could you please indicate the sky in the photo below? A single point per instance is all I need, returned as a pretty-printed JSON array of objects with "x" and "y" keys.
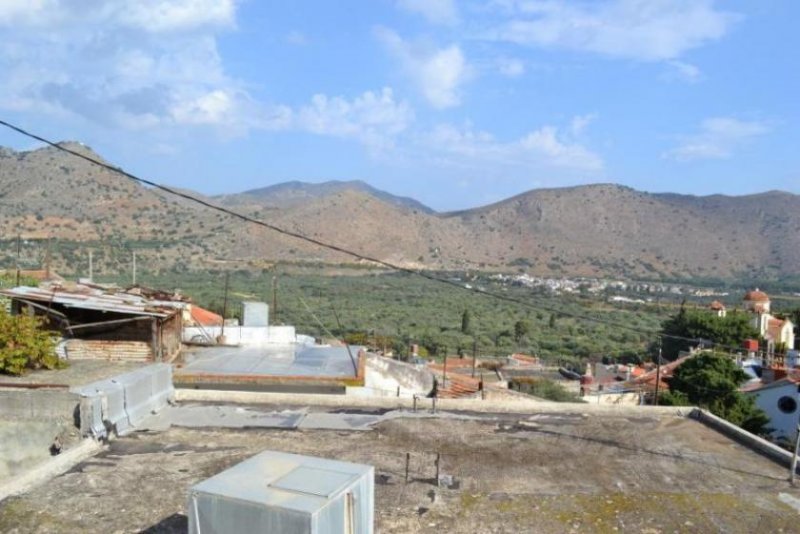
[{"x": 454, "y": 103}]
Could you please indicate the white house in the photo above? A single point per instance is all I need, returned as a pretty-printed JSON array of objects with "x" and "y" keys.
[
  {"x": 718, "y": 308},
  {"x": 771, "y": 328},
  {"x": 780, "y": 401}
]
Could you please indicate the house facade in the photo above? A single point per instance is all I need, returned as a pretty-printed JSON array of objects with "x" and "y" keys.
[
  {"x": 771, "y": 328},
  {"x": 780, "y": 400}
]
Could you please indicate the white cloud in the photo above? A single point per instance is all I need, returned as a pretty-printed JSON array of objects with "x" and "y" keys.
[
  {"x": 510, "y": 67},
  {"x": 122, "y": 64},
  {"x": 154, "y": 64},
  {"x": 170, "y": 15},
  {"x": 152, "y": 16},
  {"x": 717, "y": 138},
  {"x": 682, "y": 71},
  {"x": 645, "y": 30},
  {"x": 579, "y": 123},
  {"x": 372, "y": 118},
  {"x": 438, "y": 73},
  {"x": 435, "y": 11},
  {"x": 545, "y": 147}
]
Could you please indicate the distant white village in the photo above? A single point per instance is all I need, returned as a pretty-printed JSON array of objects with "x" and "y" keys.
[{"x": 598, "y": 285}]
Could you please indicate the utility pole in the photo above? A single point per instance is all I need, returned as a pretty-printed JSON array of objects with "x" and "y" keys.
[
  {"x": 225, "y": 304},
  {"x": 794, "y": 457},
  {"x": 474, "y": 355},
  {"x": 134, "y": 267},
  {"x": 19, "y": 250},
  {"x": 274, "y": 313},
  {"x": 47, "y": 259},
  {"x": 91, "y": 265},
  {"x": 658, "y": 376},
  {"x": 444, "y": 373}
]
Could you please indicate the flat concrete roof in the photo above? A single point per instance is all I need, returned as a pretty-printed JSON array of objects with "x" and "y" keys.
[
  {"x": 516, "y": 473},
  {"x": 280, "y": 360},
  {"x": 77, "y": 373}
]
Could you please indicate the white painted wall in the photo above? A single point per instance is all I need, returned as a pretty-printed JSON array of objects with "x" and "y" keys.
[
  {"x": 248, "y": 336},
  {"x": 383, "y": 376},
  {"x": 784, "y": 425}
]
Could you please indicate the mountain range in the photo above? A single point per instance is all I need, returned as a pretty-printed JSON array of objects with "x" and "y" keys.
[{"x": 592, "y": 230}]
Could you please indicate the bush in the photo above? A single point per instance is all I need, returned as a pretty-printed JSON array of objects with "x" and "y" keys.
[
  {"x": 543, "y": 388},
  {"x": 24, "y": 344}
]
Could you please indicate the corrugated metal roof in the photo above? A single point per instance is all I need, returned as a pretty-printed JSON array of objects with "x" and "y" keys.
[
  {"x": 289, "y": 481},
  {"x": 95, "y": 299}
]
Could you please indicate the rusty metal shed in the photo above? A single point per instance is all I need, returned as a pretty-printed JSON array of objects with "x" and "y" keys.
[{"x": 104, "y": 323}]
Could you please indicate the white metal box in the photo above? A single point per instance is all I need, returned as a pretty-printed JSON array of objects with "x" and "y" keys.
[{"x": 276, "y": 492}]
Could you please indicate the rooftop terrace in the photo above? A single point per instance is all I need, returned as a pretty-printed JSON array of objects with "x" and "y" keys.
[{"x": 536, "y": 473}]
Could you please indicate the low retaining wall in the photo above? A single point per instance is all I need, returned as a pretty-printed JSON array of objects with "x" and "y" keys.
[
  {"x": 385, "y": 377},
  {"x": 39, "y": 404},
  {"x": 48, "y": 469},
  {"x": 119, "y": 404},
  {"x": 521, "y": 406},
  {"x": 26, "y": 443},
  {"x": 744, "y": 437}
]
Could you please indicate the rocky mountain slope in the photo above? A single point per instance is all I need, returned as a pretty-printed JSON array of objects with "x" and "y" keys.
[{"x": 588, "y": 230}]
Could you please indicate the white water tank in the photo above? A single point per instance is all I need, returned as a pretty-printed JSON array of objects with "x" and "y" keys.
[{"x": 287, "y": 494}]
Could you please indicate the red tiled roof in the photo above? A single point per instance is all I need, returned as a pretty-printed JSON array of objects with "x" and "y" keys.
[
  {"x": 649, "y": 378},
  {"x": 716, "y": 305},
  {"x": 756, "y": 296},
  {"x": 638, "y": 371},
  {"x": 204, "y": 317},
  {"x": 457, "y": 386}
]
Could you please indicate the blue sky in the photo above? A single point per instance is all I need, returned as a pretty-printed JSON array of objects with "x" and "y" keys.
[{"x": 457, "y": 104}]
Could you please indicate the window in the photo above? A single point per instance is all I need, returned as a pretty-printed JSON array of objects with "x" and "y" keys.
[{"x": 787, "y": 404}]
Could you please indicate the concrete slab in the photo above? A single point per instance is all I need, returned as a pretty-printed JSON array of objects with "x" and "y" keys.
[
  {"x": 204, "y": 416},
  {"x": 337, "y": 421},
  {"x": 569, "y": 474},
  {"x": 282, "y": 360}
]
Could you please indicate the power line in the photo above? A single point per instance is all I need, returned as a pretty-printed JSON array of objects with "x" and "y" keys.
[{"x": 333, "y": 247}]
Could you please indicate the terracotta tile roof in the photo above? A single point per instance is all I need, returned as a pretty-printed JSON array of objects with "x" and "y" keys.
[
  {"x": 205, "y": 317},
  {"x": 459, "y": 386},
  {"x": 716, "y": 306},
  {"x": 756, "y": 296},
  {"x": 649, "y": 378},
  {"x": 638, "y": 371}
]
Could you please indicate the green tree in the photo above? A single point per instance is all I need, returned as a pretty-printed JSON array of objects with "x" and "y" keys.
[
  {"x": 552, "y": 322},
  {"x": 521, "y": 329},
  {"x": 711, "y": 381},
  {"x": 24, "y": 344},
  {"x": 466, "y": 322},
  {"x": 544, "y": 388},
  {"x": 692, "y": 324}
]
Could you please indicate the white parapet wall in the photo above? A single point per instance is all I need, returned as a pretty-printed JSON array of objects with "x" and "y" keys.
[
  {"x": 385, "y": 377},
  {"x": 247, "y": 336},
  {"x": 118, "y": 405}
]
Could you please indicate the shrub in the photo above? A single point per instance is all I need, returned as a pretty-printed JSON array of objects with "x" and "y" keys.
[
  {"x": 24, "y": 344},
  {"x": 543, "y": 388}
]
